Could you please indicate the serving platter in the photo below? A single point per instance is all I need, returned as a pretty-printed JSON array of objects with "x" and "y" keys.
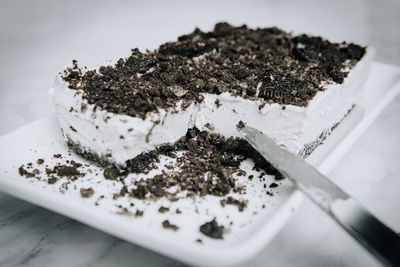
[{"x": 246, "y": 232}]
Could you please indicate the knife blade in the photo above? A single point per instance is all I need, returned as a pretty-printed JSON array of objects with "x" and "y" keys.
[{"x": 370, "y": 232}]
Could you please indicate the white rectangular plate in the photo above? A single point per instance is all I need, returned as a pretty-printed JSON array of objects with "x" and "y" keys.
[{"x": 251, "y": 229}]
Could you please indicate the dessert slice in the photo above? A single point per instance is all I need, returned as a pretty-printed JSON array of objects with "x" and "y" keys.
[{"x": 293, "y": 88}]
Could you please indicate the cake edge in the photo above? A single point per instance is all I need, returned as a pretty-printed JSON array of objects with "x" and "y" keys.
[{"x": 105, "y": 162}]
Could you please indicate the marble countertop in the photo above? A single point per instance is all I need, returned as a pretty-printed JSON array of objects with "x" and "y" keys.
[{"x": 38, "y": 39}]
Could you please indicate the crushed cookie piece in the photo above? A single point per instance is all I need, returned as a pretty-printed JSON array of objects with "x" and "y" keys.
[
  {"x": 163, "y": 209},
  {"x": 212, "y": 229},
  {"x": 218, "y": 103},
  {"x": 209, "y": 126},
  {"x": 52, "y": 180},
  {"x": 139, "y": 213},
  {"x": 83, "y": 107},
  {"x": 167, "y": 225},
  {"x": 273, "y": 185},
  {"x": 86, "y": 192},
  {"x": 240, "y": 124},
  {"x": 241, "y": 204},
  {"x": 111, "y": 173},
  {"x": 28, "y": 174}
]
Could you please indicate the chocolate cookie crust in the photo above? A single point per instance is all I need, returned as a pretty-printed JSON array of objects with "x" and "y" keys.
[{"x": 262, "y": 63}]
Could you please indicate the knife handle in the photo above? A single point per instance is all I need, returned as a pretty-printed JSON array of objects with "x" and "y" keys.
[{"x": 374, "y": 235}]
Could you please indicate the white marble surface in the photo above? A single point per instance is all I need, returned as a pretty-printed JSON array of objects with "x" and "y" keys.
[{"x": 38, "y": 38}]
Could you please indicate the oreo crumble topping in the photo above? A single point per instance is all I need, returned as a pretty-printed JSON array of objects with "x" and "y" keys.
[
  {"x": 262, "y": 63},
  {"x": 206, "y": 167}
]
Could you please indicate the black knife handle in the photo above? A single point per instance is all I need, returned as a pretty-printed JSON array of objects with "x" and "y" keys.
[{"x": 374, "y": 235}]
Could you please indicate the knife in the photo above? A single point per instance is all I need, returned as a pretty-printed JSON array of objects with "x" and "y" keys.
[{"x": 370, "y": 232}]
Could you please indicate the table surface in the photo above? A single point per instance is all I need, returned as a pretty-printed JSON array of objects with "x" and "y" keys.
[{"x": 38, "y": 39}]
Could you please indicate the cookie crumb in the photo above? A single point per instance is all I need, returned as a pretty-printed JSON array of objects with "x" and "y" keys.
[
  {"x": 86, "y": 192},
  {"x": 212, "y": 229},
  {"x": 273, "y": 185},
  {"x": 139, "y": 213},
  {"x": 52, "y": 180},
  {"x": 218, "y": 103},
  {"x": 167, "y": 225},
  {"x": 111, "y": 173},
  {"x": 241, "y": 204},
  {"x": 163, "y": 209},
  {"x": 240, "y": 124}
]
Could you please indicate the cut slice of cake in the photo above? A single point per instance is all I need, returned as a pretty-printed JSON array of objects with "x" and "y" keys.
[{"x": 293, "y": 88}]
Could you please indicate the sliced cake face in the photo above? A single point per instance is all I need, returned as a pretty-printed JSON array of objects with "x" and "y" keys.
[{"x": 293, "y": 88}]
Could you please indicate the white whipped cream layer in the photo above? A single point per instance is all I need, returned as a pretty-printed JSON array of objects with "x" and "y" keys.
[{"x": 121, "y": 137}]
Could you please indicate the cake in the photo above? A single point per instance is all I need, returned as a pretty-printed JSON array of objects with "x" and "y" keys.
[{"x": 294, "y": 88}]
